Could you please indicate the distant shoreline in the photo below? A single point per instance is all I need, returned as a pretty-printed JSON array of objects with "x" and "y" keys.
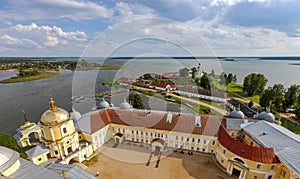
[{"x": 42, "y": 75}]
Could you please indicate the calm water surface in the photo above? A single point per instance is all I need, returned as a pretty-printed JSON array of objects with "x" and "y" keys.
[{"x": 33, "y": 96}]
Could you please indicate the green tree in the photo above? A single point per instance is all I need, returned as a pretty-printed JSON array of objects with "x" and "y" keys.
[
  {"x": 266, "y": 97},
  {"x": 234, "y": 79},
  {"x": 229, "y": 78},
  {"x": 223, "y": 78},
  {"x": 290, "y": 96},
  {"x": 250, "y": 104},
  {"x": 204, "y": 82},
  {"x": 278, "y": 90},
  {"x": 254, "y": 84},
  {"x": 147, "y": 76},
  {"x": 194, "y": 70},
  {"x": 297, "y": 112},
  {"x": 184, "y": 72},
  {"x": 136, "y": 101}
]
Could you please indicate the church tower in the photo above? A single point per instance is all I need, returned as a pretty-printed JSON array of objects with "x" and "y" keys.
[
  {"x": 58, "y": 131},
  {"x": 28, "y": 134}
]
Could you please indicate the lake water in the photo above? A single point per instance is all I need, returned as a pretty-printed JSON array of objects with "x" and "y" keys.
[{"x": 33, "y": 96}]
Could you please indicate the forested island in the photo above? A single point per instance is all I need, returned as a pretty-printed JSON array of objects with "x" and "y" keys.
[{"x": 34, "y": 69}]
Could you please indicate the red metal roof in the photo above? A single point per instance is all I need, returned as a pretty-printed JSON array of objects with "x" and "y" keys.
[
  {"x": 181, "y": 122},
  {"x": 262, "y": 155}
]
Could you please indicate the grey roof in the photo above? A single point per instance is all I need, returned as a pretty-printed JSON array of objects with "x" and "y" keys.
[
  {"x": 72, "y": 171},
  {"x": 286, "y": 144},
  {"x": 237, "y": 114},
  {"x": 75, "y": 115},
  {"x": 232, "y": 123},
  {"x": 125, "y": 105},
  {"x": 267, "y": 116},
  {"x": 7, "y": 158},
  {"x": 37, "y": 150},
  {"x": 84, "y": 123},
  {"x": 103, "y": 104},
  {"x": 28, "y": 170}
]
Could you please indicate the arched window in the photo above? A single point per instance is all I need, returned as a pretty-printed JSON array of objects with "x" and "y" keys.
[{"x": 239, "y": 160}]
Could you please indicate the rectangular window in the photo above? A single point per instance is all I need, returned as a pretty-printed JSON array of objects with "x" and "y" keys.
[
  {"x": 213, "y": 143},
  {"x": 258, "y": 166},
  {"x": 65, "y": 130},
  {"x": 113, "y": 129},
  {"x": 182, "y": 138},
  {"x": 162, "y": 135},
  {"x": 199, "y": 140},
  {"x": 132, "y": 132},
  {"x": 137, "y": 132},
  {"x": 176, "y": 137},
  {"x": 204, "y": 141},
  {"x": 158, "y": 135},
  {"x": 193, "y": 140},
  {"x": 146, "y": 133},
  {"x": 123, "y": 131},
  {"x": 222, "y": 161},
  {"x": 141, "y": 132},
  {"x": 272, "y": 167},
  {"x": 255, "y": 177},
  {"x": 187, "y": 139},
  {"x": 39, "y": 159},
  {"x": 55, "y": 152},
  {"x": 224, "y": 151},
  {"x": 270, "y": 177}
]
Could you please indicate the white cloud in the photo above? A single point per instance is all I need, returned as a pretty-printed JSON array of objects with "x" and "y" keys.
[
  {"x": 49, "y": 9},
  {"x": 10, "y": 40},
  {"x": 42, "y": 39},
  {"x": 237, "y": 40}
]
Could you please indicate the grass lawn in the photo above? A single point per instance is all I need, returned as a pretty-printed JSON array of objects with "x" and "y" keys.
[
  {"x": 41, "y": 75},
  {"x": 236, "y": 90},
  {"x": 291, "y": 126}
]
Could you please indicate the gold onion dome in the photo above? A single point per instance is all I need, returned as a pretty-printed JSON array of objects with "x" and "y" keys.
[{"x": 54, "y": 115}]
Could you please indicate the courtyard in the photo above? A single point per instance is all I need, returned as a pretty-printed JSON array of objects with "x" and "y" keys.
[{"x": 129, "y": 160}]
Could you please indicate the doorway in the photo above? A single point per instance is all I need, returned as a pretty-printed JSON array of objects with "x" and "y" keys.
[
  {"x": 236, "y": 172},
  {"x": 157, "y": 150}
]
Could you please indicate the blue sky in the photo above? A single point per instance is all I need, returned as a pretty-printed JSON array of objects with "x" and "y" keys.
[{"x": 230, "y": 27}]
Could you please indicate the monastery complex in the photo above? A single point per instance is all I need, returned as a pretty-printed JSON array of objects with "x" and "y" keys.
[{"x": 258, "y": 148}]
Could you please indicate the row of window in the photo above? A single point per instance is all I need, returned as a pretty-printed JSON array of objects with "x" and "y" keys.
[{"x": 162, "y": 135}]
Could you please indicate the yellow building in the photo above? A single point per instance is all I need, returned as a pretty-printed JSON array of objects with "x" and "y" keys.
[
  {"x": 59, "y": 138},
  {"x": 243, "y": 148}
]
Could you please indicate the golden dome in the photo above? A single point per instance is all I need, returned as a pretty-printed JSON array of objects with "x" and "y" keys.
[{"x": 54, "y": 115}]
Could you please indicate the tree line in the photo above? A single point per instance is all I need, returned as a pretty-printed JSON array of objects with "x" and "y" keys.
[{"x": 277, "y": 96}]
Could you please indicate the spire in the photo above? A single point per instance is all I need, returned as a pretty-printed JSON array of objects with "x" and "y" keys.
[
  {"x": 52, "y": 104},
  {"x": 25, "y": 117},
  {"x": 238, "y": 108}
]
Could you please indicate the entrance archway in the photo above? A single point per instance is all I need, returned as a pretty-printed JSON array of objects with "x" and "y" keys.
[
  {"x": 33, "y": 138},
  {"x": 236, "y": 173}
]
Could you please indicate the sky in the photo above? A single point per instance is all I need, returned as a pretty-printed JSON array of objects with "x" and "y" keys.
[{"x": 229, "y": 27}]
